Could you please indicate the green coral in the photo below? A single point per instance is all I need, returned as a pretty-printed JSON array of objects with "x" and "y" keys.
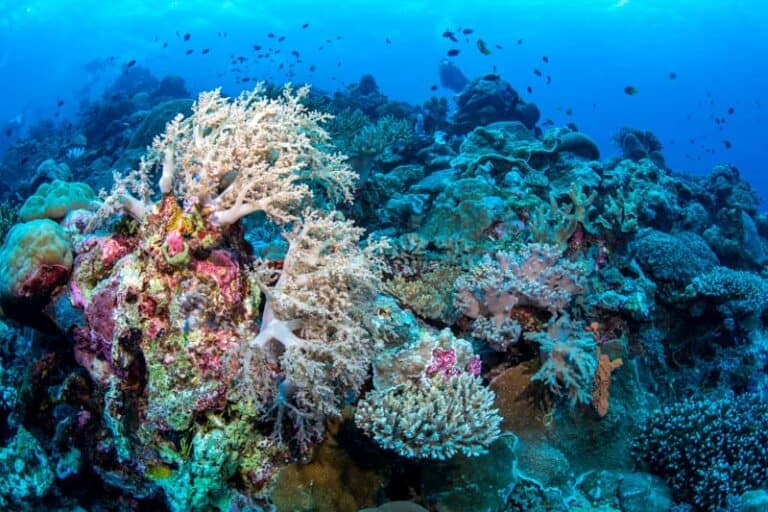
[{"x": 56, "y": 199}]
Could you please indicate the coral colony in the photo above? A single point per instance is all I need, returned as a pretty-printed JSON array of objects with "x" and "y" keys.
[{"x": 288, "y": 300}]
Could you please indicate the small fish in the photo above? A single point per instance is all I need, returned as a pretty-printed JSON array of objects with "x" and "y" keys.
[
  {"x": 731, "y": 110},
  {"x": 549, "y": 79},
  {"x": 673, "y": 75},
  {"x": 433, "y": 88},
  {"x": 630, "y": 90},
  {"x": 572, "y": 126},
  {"x": 530, "y": 89},
  {"x": 205, "y": 51},
  {"x": 60, "y": 103},
  {"x": 256, "y": 47},
  {"x": 339, "y": 38},
  {"x": 189, "y": 52},
  {"x": 165, "y": 44},
  {"x": 727, "y": 144},
  {"x": 281, "y": 39},
  {"x": 453, "y": 52},
  {"x": 388, "y": 41},
  {"x": 467, "y": 31},
  {"x": 131, "y": 63},
  {"x": 245, "y": 79},
  {"x": 271, "y": 35},
  {"x": 537, "y": 72},
  {"x": 569, "y": 111},
  {"x": 24, "y": 160},
  {"x": 187, "y": 36},
  {"x": 499, "y": 47},
  {"x": 483, "y": 47},
  {"x": 519, "y": 42},
  {"x": 306, "y": 25},
  {"x": 450, "y": 35},
  {"x": 8, "y": 132},
  {"x": 548, "y": 122},
  {"x": 219, "y": 35},
  {"x": 312, "y": 68},
  {"x": 545, "y": 59},
  {"x": 295, "y": 53}
]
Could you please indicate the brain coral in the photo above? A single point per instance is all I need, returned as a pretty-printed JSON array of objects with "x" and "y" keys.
[
  {"x": 35, "y": 258},
  {"x": 54, "y": 200}
]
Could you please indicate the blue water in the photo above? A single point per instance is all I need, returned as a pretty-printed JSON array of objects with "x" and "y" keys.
[{"x": 595, "y": 49}]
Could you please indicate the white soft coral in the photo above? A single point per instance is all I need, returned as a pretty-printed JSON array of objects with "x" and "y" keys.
[{"x": 252, "y": 153}]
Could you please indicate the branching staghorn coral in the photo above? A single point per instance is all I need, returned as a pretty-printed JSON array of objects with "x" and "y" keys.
[
  {"x": 234, "y": 157},
  {"x": 435, "y": 419}
]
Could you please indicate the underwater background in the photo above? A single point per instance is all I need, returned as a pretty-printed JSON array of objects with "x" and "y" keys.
[{"x": 383, "y": 256}]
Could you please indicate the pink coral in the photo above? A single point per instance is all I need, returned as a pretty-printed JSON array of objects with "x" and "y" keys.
[
  {"x": 443, "y": 361},
  {"x": 174, "y": 242}
]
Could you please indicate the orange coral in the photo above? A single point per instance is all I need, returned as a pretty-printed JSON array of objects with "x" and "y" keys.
[{"x": 605, "y": 368}]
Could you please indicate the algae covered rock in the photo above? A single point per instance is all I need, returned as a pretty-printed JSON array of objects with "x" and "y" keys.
[{"x": 25, "y": 471}]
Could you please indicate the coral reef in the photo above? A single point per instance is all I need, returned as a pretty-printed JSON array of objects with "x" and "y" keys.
[{"x": 468, "y": 313}]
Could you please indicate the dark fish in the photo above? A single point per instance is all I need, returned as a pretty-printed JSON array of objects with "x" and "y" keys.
[
  {"x": 549, "y": 79},
  {"x": 630, "y": 90},
  {"x": 187, "y": 36},
  {"x": 312, "y": 68},
  {"x": 530, "y": 89},
  {"x": 131, "y": 63},
  {"x": 189, "y": 52},
  {"x": 242, "y": 59},
  {"x": 545, "y": 59},
  {"x": 467, "y": 31},
  {"x": 453, "y": 52},
  {"x": 451, "y": 76},
  {"x": 499, "y": 47},
  {"x": 8, "y": 132},
  {"x": 727, "y": 144},
  {"x": 519, "y": 42},
  {"x": 295, "y": 53},
  {"x": 306, "y": 25},
  {"x": 281, "y": 39},
  {"x": 569, "y": 111},
  {"x": 572, "y": 126},
  {"x": 731, "y": 110},
  {"x": 24, "y": 160},
  {"x": 388, "y": 41},
  {"x": 672, "y": 75},
  {"x": 548, "y": 122},
  {"x": 449, "y": 35},
  {"x": 165, "y": 44},
  {"x": 256, "y": 47},
  {"x": 434, "y": 88},
  {"x": 205, "y": 51},
  {"x": 483, "y": 47},
  {"x": 60, "y": 103},
  {"x": 536, "y": 72},
  {"x": 245, "y": 79},
  {"x": 219, "y": 34},
  {"x": 271, "y": 35}
]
